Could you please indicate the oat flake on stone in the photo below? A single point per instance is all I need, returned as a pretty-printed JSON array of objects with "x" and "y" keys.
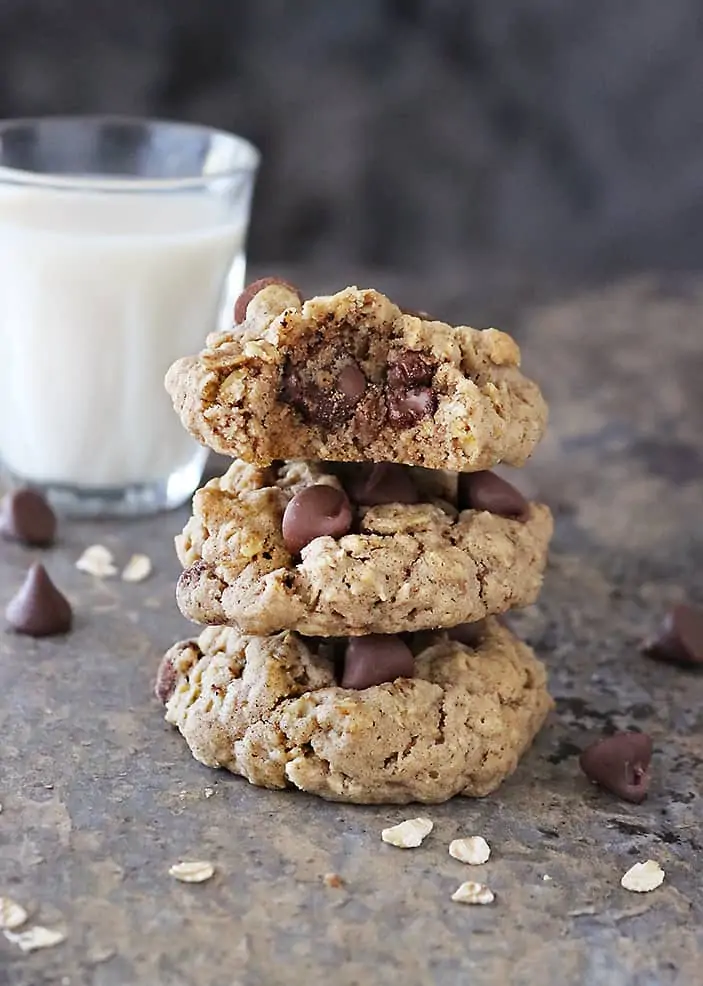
[
  {"x": 643, "y": 877},
  {"x": 192, "y": 872},
  {"x": 12, "y": 914},
  {"x": 137, "y": 569},
  {"x": 473, "y": 893},
  {"x": 408, "y": 834},
  {"x": 34, "y": 938},
  {"x": 97, "y": 560},
  {"x": 473, "y": 850}
]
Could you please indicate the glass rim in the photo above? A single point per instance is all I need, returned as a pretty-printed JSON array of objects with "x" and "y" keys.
[{"x": 251, "y": 157}]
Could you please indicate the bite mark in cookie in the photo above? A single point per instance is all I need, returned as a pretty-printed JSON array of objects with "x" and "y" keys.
[{"x": 350, "y": 378}]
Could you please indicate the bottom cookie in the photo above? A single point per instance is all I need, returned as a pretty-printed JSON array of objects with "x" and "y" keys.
[{"x": 269, "y": 708}]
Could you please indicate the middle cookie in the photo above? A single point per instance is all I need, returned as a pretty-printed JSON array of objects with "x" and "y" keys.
[{"x": 384, "y": 549}]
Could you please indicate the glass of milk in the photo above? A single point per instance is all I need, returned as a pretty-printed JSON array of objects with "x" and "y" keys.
[{"x": 121, "y": 246}]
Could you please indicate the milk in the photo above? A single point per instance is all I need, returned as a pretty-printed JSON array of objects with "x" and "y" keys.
[{"x": 99, "y": 293}]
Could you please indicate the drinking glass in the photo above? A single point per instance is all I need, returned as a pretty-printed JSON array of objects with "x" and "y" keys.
[{"x": 122, "y": 244}]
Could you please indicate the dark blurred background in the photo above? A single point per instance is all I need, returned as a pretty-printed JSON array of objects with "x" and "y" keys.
[{"x": 419, "y": 135}]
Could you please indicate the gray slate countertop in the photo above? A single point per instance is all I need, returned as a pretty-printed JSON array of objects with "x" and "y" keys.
[{"x": 99, "y": 796}]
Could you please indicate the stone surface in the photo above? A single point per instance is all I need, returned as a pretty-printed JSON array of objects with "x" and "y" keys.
[{"x": 100, "y": 797}]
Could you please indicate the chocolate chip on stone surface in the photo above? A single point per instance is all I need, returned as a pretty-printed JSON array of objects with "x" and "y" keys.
[
  {"x": 375, "y": 659},
  {"x": 486, "y": 491},
  {"x": 251, "y": 290},
  {"x": 166, "y": 677},
  {"x": 39, "y": 609},
  {"x": 680, "y": 638},
  {"x": 384, "y": 482},
  {"x": 470, "y": 634},
  {"x": 316, "y": 511},
  {"x": 620, "y": 764},
  {"x": 26, "y": 516}
]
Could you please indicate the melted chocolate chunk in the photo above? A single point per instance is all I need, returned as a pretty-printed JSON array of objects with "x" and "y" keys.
[
  {"x": 407, "y": 407},
  {"x": 328, "y": 407},
  {"x": 409, "y": 369},
  {"x": 375, "y": 659},
  {"x": 620, "y": 764},
  {"x": 316, "y": 511},
  {"x": 408, "y": 393},
  {"x": 486, "y": 491},
  {"x": 39, "y": 609}
]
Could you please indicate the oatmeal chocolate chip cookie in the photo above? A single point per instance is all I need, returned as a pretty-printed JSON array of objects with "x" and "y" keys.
[
  {"x": 350, "y": 377},
  {"x": 362, "y": 562},
  {"x": 270, "y": 709}
]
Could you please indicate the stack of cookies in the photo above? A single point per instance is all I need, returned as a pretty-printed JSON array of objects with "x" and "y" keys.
[{"x": 352, "y": 562}]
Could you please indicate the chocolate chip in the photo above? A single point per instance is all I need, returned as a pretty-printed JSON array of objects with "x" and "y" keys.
[
  {"x": 408, "y": 392},
  {"x": 317, "y": 405},
  {"x": 352, "y": 382},
  {"x": 406, "y": 408},
  {"x": 249, "y": 292},
  {"x": 375, "y": 659},
  {"x": 314, "y": 512},
  {"x": 425, "y": 316},
  {"x": 470, "y": 634},
  {"x": 620, "y": 764},
  {"x": 166, "y": 678},
  {"x": 680, "y": 637},
  {"x": 486, "y": 491},
  {"x": 408, "y": 369},
  {"x": 26, "y": 516},
  {"x": 38, "y": 608},
  {"x": 383, "y": 482}
]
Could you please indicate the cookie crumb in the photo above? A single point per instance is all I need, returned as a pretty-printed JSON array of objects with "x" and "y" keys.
[
  {"x": 137, "y": 569},
  {"x": 208, "y": 792},
  {"x": 473, "y": 893},
  {"x": 97, "y": 560},
  {"x": 333, "y": 880},
  {"x": 473, "y": 850},
  {"x": 192, "y": 872},
  {"x": 408, "y": 834},
  {"x": 643, "y": 877},
  {"x": 12, "y": 914},
  {"x": 35, "y": 938}
]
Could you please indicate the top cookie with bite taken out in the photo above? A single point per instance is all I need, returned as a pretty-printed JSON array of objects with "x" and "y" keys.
[{"x": 351, "y": 377}]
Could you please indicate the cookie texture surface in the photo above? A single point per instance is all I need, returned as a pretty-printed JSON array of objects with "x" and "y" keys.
[
  {"x": 350, "y": 377},
  {"x": 409, "y": 566},
  {"x": 269, "y": 708}
]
